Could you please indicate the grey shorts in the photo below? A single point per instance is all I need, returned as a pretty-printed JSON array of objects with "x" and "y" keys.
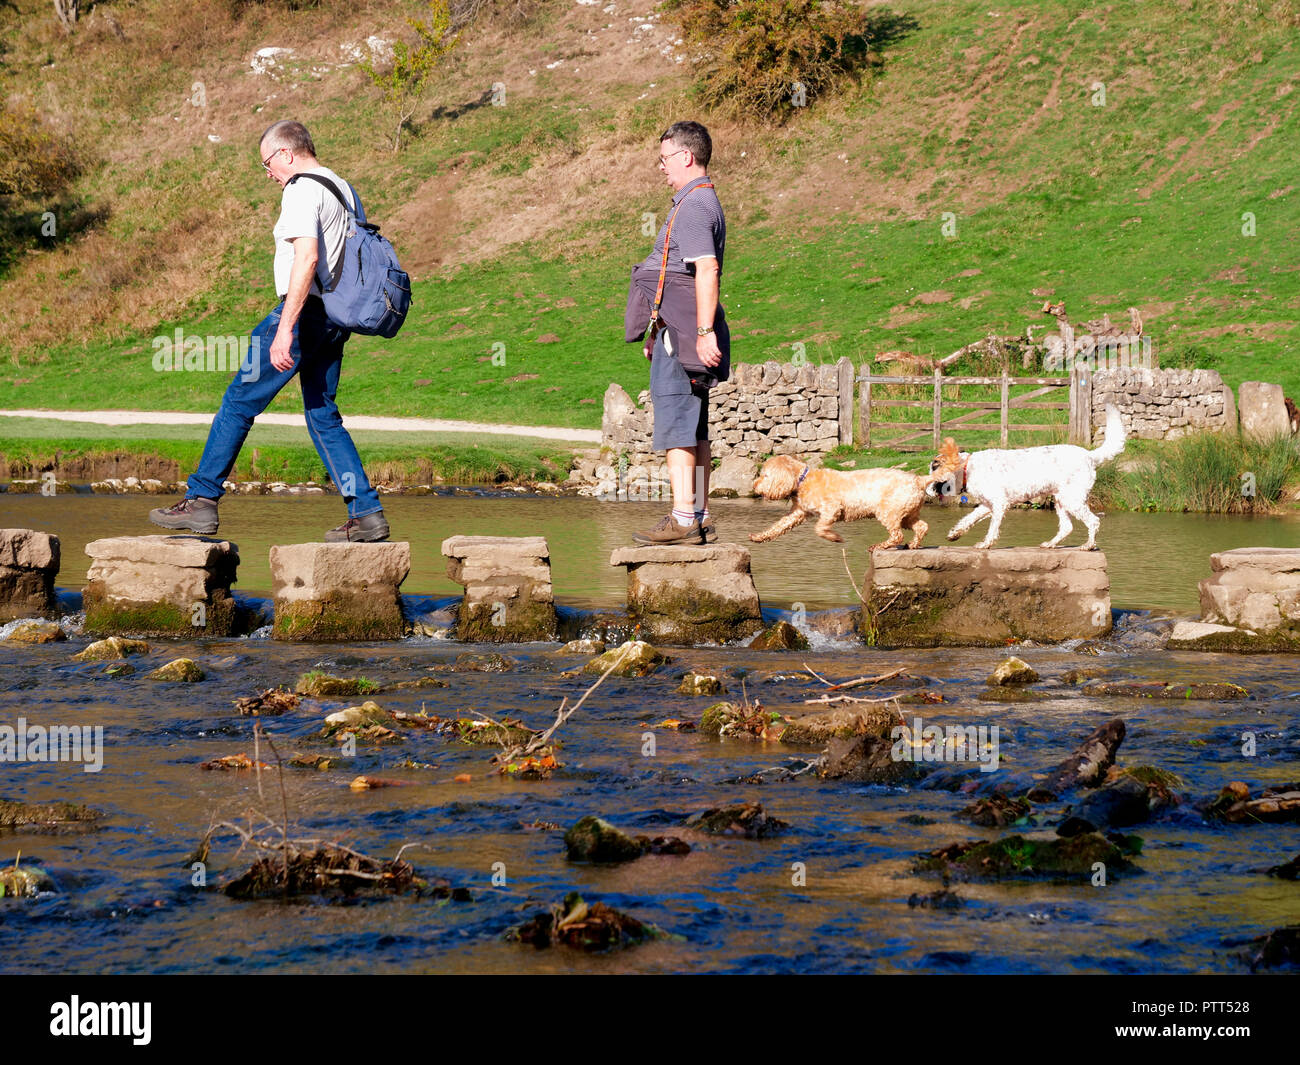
[{"x": 681, "y": 412}]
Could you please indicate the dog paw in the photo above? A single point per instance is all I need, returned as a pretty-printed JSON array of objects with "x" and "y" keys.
[
  {"x": 756, "y": 538},
  {"x": 1047, "y": 543},
  {"x": 954, "y": 536}
]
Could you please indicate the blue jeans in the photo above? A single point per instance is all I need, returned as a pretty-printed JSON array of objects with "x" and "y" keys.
[{"x": 318, "y": 355}]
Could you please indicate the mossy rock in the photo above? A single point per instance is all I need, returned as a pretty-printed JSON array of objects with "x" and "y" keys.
[
  {"x": 33, "y": 632},
  {"x": 593, "y": 839},
  {"x": 781, "y": 636},
  {"x": 1217, "y": 692},
  {"x": 319, "y": 685},
  {"x": 113, "y": 647},
  {"x": 641, "y": 659},
  {"x": 1009, "y": 695},
  {"x": 1013, "y": 857},
  {"x": 340, "y": 616},
  {"x": 181, "y": 670},
  {"x": 418, "y": 684},
  {"x": 996, "y": 811},
  {"x": 118, "y": 670},
  {"x": 1080, "y": 676},
  {"x": 106, "y": 616},
  {"x": 55, "y": 815},
  {"x": 688, "y": 616},
  {"x": 528, "y": 622},
  {"x": 701, "y": 684},
  {"x": 24, "y": 881},
  {"x": 1282, "y": 641}
]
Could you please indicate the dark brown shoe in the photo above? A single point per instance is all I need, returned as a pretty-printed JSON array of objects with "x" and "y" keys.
[
  {"x": 194, "y": 514},
  {"x": 669, "y": 532}
]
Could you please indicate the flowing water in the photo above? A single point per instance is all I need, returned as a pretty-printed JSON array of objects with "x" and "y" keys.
[{"x": 830, "y": 894}]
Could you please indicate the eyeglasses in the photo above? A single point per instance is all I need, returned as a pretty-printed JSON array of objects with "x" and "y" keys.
[
  {"x": 270, "y": 157},
  {"x": 663, "y": 159}
]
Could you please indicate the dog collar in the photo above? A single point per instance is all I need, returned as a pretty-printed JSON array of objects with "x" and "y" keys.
[{"x": 806, "y": 468}]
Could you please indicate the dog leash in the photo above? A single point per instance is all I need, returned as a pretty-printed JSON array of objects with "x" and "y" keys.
[{"x": 806, "y": 468}]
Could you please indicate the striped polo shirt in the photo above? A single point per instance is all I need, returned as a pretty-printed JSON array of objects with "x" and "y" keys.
[{"x": 699, "y": 230}]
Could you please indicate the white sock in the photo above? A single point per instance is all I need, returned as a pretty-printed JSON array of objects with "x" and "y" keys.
[{"x": 683, "y": 517}]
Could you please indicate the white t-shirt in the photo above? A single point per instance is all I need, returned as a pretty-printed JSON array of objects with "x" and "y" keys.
[{"x": 309, "y": 209}]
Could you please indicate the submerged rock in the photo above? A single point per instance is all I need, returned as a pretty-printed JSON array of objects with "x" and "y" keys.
[
  {"x": 641, "y": 659},
  {"x": 781, "y": 636},
  {"x": 584, "y": 926},
  {"x": 1288, "y": 871},
  {"x": 492, "y": 662},
  {"x": 1276, "y": 804},
  {"x": 583, "y": 647},
  {"x": 997, "y": 811},
  {"x": 509, "y": 733},
  {"x": 1010, "y": 695},
  {"x": 840, "y": 722},
  {"x": 701, "y": 684},
  {"x": 36, "y": 632},
  {"x": 182, "y": 670},
  {"x": 269, "y": 703},
  {"x": 747, "y": 819},
  {"x": 24, "y": 881},
  {"x": 1160, "y": 689},
  {"x": 1012, "y": 671},
  {"x": 112, "y": 647},
  {"x": 1278, "y": 948},
  {"x": 320, "y": 685},
  {"x": 1011, "y": 857},
  {"x": 868, "y": 759},
  {"x": 53, "y": 815},
  {"x": 595, "y": 840},
  {"x": 417, "y": 684}
]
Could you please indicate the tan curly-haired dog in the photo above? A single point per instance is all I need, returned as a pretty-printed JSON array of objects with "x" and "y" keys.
[{"x": 892, "y": 497}]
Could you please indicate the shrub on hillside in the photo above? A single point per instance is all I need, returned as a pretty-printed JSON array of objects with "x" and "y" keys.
[
  {"x": 766, "y": 57},
  {"x": 34, "y": 161}
]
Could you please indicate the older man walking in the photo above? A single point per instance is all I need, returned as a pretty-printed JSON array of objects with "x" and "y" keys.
[
  {"x": 676, "y": 292},
  {"x": 295, "y": 338}
]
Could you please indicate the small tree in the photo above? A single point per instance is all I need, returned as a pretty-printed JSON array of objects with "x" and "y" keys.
[
  {"x": 765, "y": 58},
  {"x": 403, "y": 81},
  {"x": 33, "y": 160}
]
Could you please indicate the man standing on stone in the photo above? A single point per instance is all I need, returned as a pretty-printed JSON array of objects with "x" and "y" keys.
[
  {"x": 676, "y": 292},
  {"x": 295, "y": 338}
]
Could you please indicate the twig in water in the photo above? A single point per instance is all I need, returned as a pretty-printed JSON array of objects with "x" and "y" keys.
[{"x": 860, "y": 680}]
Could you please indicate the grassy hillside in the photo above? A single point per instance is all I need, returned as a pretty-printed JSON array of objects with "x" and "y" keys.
[{"x": 1105, "y": 155}]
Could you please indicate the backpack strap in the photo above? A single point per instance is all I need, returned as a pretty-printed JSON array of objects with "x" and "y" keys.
[{"x": 359, "y": 214}]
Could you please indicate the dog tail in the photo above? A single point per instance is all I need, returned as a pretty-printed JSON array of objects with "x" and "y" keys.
[{"x": 1114, "y": 442}]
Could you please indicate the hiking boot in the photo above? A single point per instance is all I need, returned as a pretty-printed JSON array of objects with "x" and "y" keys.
[
  {"x": 669, "y": 532},
  {"x": 194, "y": 513},
  {"x": 368, "y": 529}
]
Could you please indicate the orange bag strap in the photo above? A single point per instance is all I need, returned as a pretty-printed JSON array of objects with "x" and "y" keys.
[{"x": 663, "y": 267}]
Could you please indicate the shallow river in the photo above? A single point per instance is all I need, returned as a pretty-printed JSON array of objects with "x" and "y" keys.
[{"x": 127, "y": 903}]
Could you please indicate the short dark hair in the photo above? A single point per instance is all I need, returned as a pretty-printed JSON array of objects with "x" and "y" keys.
[
  {"x": 692, "y": 136},
  {"x": 289, "y": 134}
]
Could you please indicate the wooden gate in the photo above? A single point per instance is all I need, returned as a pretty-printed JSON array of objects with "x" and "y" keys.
[{"x": 904, "y": 436}]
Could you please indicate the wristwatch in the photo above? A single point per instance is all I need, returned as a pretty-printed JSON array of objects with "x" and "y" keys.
[{"x": 703, "y": 330}]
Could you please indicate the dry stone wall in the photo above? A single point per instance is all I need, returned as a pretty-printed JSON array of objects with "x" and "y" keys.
[
  {"x": 764, "y": 409},
  {"x": 1163, "y": 404}
]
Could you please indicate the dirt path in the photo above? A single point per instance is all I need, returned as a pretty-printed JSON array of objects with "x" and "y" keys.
[{"x": 357, "y": 422}]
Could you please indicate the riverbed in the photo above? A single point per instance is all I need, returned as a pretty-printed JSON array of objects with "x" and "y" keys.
[{"x": 833, "y": 893}]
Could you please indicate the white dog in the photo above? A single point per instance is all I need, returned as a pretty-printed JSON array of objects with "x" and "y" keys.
[{"x": 996, "y": 479}]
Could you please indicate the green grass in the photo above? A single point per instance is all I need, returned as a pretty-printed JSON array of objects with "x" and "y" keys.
[
  {"x": 1138, "y": 202},
  {"x": 1207, "y": 473},
  {"x": 283, "y": 453}
]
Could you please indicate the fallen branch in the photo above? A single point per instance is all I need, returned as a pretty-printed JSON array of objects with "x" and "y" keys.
[{"x": 860, "y": 681}]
